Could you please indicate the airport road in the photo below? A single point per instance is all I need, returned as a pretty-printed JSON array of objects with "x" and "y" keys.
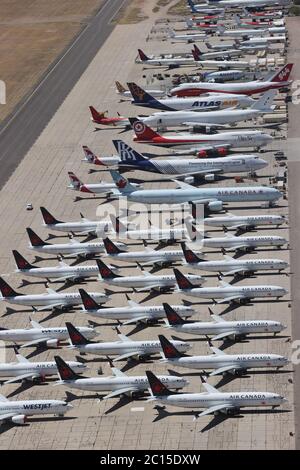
[
  {"x": 294, "y": 211},
  {"x": 19, "y": 131},
  {"x": 41, "y": 178}
]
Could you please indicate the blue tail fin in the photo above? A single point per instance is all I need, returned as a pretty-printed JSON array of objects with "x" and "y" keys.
[{"x": 126, "y": 153}]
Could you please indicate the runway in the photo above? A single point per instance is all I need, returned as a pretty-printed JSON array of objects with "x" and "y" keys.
[{"x": 20, "y": 130}]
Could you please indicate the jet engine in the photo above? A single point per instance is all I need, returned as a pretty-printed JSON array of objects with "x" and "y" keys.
[
  {"x": 19, "y": 419},
  {"x": 215, "y": 206},
  {"x": 52, "y": 343}
]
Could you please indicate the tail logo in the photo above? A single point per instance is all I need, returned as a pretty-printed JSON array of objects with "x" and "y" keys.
[
  {"x": 22, "y": 264},
  {"x": 157, "y": 388},
  {"x": 105, "y": 272},
  {"x": 89, "y": 303},
  {"x": 5, "y": 291},
  {"x": 184, "y": 284},
  {"x": 121, "y": 183},
  {"x": 35, "y": 239},
  {"x": 65, "y": 373},
  {"x": 172, "y": 317},
  {"x": 169, "y": 350},
  {"x": 76, "y": 337},
  {"x": 189, "y": 257},
  {"x": 138, "y": 92},
  {"x": 139, "y": 128}
]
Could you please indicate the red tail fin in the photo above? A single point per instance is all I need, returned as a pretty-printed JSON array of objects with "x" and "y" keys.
[
  {"x": 48, "y": 218},
  {"x": 142, "y": 131},
  {"x": 21, "y": 262},
  {"x": 76, "y": 337},
  {"x": 64, "y": 370},
  {"x": 35, "y": 240},
  {"x": 111, "y": 248},
  {"x": 157, "y": 387},
  {"x": 75, "y": 182},
  {"x": 96, "y": 116},
  {"x": 283, "y": 74},
  {"x": 142, "y": 55},
  {"x": 105, "y": 271}
]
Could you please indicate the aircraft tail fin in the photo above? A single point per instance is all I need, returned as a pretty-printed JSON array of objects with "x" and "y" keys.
[
  {"x": 142, "y": 55},
  {"x": 122, "y": 183},
  {"x": 182, "y": 281},
  {"x": 118, "y": 226},
  {"x": 88, "y": 302},
  {"x": 264, "y": 103},
  {"x": 21, "y": 262},
  {"x": 138, "y": 94},
  {"x": 6, "y": 290},
  {"x": 111, "y": 248},
  {"x": 90, "y": 157},
  {"x": 120, "y": 88},
  {"x": 190, "y": 256},
  {"x": 142, "y": 131},
  {"x": 127, "y": 153},
  {"x": 158, "y": 389},
  {"x": 77, "y": 338},
  {"x": 35, "y": 240},
  {"x": 64, "y": 370},
  {"x": 173, "y": 317},
  {"x": 105, "y": 271},
  {"x": 96, "y": 116},
  {"x": 48, "y": 218},
  {"x": 283, "y": 74}
]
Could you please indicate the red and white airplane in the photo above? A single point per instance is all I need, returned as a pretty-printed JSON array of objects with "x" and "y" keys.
[
  {"x": 90, "y": 157},
  {"x": 101, "y": 118},
  {"x": 278, "y": 80},
  {"x": 244, "y": 138},
  {"x": 102, "y": 187}
]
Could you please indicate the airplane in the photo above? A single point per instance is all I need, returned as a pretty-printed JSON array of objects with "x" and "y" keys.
[
  {"x": 257, "y": 22},
  {"x": 233, "y": 243},
  {"x": 62, "y": 272},
  {"x": 265, "y": 41},
  {"x": 121, "y": 90},
  {"x": 146, "y": 257},
  {"x": 84, "y": 226},
  {"x": 189, "y": 38},
  {"x": 192, "y": 61},
  {"x": 124, "y": 349},
  {"x": 188, "y": 169},
  {"x": 205, "y": 141},
  {"x": 214, "y": 401},
  {"x": 73, "y": 248},
  {"x": 39, "y": 335},
  {"x": 231, "y": 266},
  {"x": 247, "y": 33},
  {"x": 51, "y": 300},
  {"x": 119, "y": 384},
  {"x": 244, "y": 222},
  {"x": 25, "y": 370},
  {"x": 220, "y": 362},
  {"x": 133, "y": 313},
  {"x": 219, "y": 328},
  {"x": 278, "y": 80},
  {"x": 209, "y": 102},
  {"x": 90, "y": 157},
  {"x": 249, "y": 3},
  {"x": 223, "y": 76},
  {"x": 144, "y": 282},
  {"x": 166, "y": 119},
  {"x": 202, "y": 8},
  {"x": 17, "y": 411},
  {"x": 97, "y": 188},
  {"x": 212, "y": 198},
  {"x": 167, "y": 235},
  {"x": 102, "y": 119},
  {"x": 227, "y": 292}
]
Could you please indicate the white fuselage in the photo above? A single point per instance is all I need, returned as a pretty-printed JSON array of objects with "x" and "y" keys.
[
  {"x": 152, "y": 312},
  {"x": 247, "y": 88},
  {"x": 150, "y": 281},
  {"x": 212, "y": 101},
  {"x": 80, "y": 227},
  {"x": 42, "y": 369},
  {"x": 59, "y": 333},
  {"x": 155, "y": 234},
  {"x": 74, "y": 248},
  {"x": 242, "y": 292},
  {"x": 137, "y": 383},
  {"x": 148, "y": 257},
  {"x": 62, "y": 299},
  {"x": 33, "y": 407},
  {"x": 241, "y": 265},
  {"x": 236, "y": 328},
  {"x": 60, "y": 272},
  {"x": 244, "y": 221},
  {"x": 233, "y": 242},
  {"x": 240, "y": 361},
  {"x": 136, "y": 348}
]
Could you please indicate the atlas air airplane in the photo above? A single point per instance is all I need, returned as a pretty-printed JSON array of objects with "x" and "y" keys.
[
  {"x": 212, "y": 198},
  {"x": 279, "y": 80},
  {"x": 119, "y": 384},
  {"x": 219, "y": 328},
  {"x": 220, "y": 362},
  {"x": 121, "y": 90},
  {"x": 124, "y": 349},
  {"x": 132, "y": 313},
  {"x": 51, "y": 300}
]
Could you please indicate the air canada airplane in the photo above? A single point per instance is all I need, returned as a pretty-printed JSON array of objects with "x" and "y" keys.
[
  {"x": 206, "y": 168},
  {"x": 244, "y": 222},
  {"x": 124, "y": 349},
  {"x": 51, "y": 300},
  {"x": 25, "y": 370},
  {"x": 226, "y": 292},
  {"x": 219, "y": 328},
  {"x": 212, "y": 400},
  {"x": 133, "y": 313},
  {"x": 84, "y": 226},
  {"x": 17, "y": 411},
  {"x": 119, "y": 384},
  {"x": 212, "y": 198},
  {"x": 220, "y": 362}
]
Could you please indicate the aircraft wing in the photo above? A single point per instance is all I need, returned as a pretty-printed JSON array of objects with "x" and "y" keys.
[
  {"x": 146, "y": 288},
  {"x": 34, "y": 342},
  {"x": 200, "y": 173},
  {"x": 213, "y": 409},
  {"x": 67, "y": 277},
  {"x": 221, "y": 370},
  {"x": 234, "y": 271},
  {"x": 223, "y": 335},
  {"x": 230, "y": 299},
  {"x": 238, "y": 247},
  {"x": 128, "y": 355},
  {"x": 22, "y": 377},
  {"x": 120, "y": 391},
  {"x": 7, "y": 416},
  {"x": 135, "y": 320},
  {"x": 202, "y": 123},
  {"x": 46, "y": 307}
]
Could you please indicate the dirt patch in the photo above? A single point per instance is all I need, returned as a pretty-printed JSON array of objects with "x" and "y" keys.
[
  {"x": 33, "y": 33},
  {"x": 131, "y": 13},
  {"x": 179, "y": 8}
]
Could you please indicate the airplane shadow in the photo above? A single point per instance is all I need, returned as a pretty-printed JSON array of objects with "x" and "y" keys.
[{"x": 24, "y": 387}]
